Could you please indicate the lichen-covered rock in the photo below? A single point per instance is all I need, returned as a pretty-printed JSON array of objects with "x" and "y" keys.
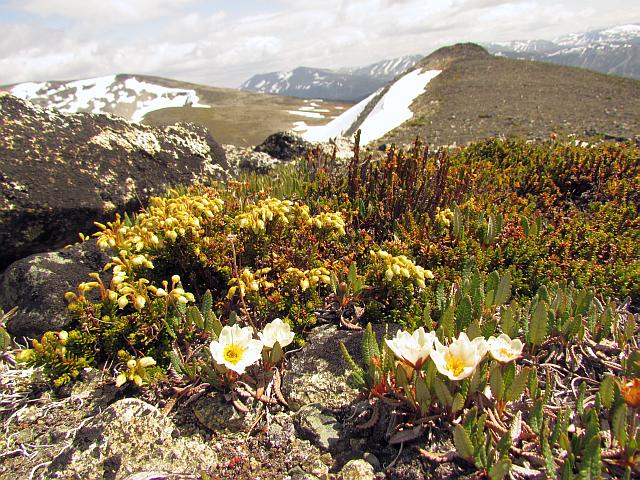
[
  {"x": 128, "y": 437},
  {"x": 284, "y": 146},
  {"x": 37, "y": 284},
  {"x": 60, "y": 173},
  {"x": 218, "y": 415},
  {"x": 358, "y": 469},
  {"x": 320, "y": 427},
  {"x": 318, "y": 373},
  {"x": 242, "y": 159}
]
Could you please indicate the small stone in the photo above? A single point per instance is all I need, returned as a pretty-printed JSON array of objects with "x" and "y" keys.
[
  {"x": 218, "y": 415},
  {"x": 321, "y": 429},
  {"x": 357, "y": 470},
  {"x": 372, "y": 459}
]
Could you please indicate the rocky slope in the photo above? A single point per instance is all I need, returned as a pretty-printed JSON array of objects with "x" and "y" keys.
[
  {"x": 60, "y": 173},
  {"x": 478, "y": 95},
  {"x": 613, "y": 50}
]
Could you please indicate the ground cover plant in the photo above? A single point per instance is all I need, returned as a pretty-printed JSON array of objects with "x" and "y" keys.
[{"x": 511, "y": 268}]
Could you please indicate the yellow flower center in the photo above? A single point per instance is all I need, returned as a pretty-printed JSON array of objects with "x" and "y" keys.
[
  {"x": 233, "y": 353},
  {"x": 455, "y": 365},
  {"x": 504, "y": 352}
]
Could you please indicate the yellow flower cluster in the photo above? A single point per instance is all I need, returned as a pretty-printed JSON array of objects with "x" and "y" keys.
[
  {"x": 249, "y": 281},
  {"x": 444, "y": 217},
  {"x": 310, "y": 278},
  {"x": 401, "y": 266},
  {"x": 135, "y": 371},
  {"x": 165, "y": 218},
  {"x": 329, "y": 220},
  {"x": 124, "y": 292},
  {"x": 257, "y": 216}
]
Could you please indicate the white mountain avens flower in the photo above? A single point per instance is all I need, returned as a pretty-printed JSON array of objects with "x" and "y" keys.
[
  {"x": 276, "y": 331},
  {"x": 413, "y": 349},
  {"x": 460, "y": 358},
  {"x": 236, "y": 348},
  {"x": 504, "y": 349}
]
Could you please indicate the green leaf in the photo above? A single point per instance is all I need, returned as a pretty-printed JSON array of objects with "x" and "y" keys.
[
  {"x": 458, "y": 403},
  {"x": 607, "y": 390},
  {"x": 458, "y": 227},
  {"x": 207, "y": 302},
  {"x": 370, "y": 347},
  {"x": 535, "y": 417},
  {"x": 195, "y": 317},
  {"x": 496, "y": 383},
  {"x": 538, "y": 324},
  {"x": 5, "y": 340},
  {"x": 462, "y": 442},
  {"x": 423, "y": 397},
  {"x": 591, "y": 467},
  {"x": 442, "y": 392},
  {"x": 447, "y": 322},
  {"x": 503, "y": 293},
  {"x": 463, "y": 313},
  {"x": 507, "y": 321},
  {"x": 549, "y": 463},
  {"x": 500, "y": 469},
  {"x": 630, "y": 327},
  {"x": 352, "y": 276},
  {"x": 357, "y": 374},
  {"x": 525, "y": 226},
  {"x": 176, "y": 363},
  {"x": 516, "y": 389},
  {"x": 582, "y": 393},
  {"x": 619, "y": 425}
]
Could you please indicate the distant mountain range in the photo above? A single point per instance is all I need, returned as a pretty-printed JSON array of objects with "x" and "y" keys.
[
  {"x": 346, "y": 84},
  {"x": 613, "y": 50},
  {"x": 232, "y": 116}
]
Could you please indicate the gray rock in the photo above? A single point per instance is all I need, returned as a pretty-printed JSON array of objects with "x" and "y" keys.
[
  {"x": 129, "y": 437},
  {"x": 37, "y": 284},
  {"x": 285, "y": 146},
  {"x": 242, "y": 159},
  {"x": 60, "y": 173},
  {"x": 317, "y": 374},
  {"x": 357, "y": 470},
  {"x": 318, "y": 426},
  {"x": 218, "y": 415}
]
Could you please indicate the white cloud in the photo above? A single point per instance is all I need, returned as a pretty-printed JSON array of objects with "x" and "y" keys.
[
  {"x": 113, "y": 11},
  {"x": 219, "y": 44}
]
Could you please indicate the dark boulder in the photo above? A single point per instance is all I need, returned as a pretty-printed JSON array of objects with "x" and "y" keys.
[
  {"x": 60, "y": 173},
  {"x": 37, "y": 284},
  {"x": 284, "y": 146}
]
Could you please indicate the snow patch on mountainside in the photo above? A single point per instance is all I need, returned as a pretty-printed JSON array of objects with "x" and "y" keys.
[
  {"x": 106, "y": 94},
  {"x": 336, "y": 127},
  {"x": 389, "y": 111}
]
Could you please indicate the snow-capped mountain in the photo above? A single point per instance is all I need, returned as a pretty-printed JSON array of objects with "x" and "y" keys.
[
  {"x": 128, "y": 96},
  {"x": 614, "y": 50},
  {"x": 347, "y": 84}
]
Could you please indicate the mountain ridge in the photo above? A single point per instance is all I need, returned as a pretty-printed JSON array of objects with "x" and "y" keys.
[
  {"x": 614, "y": 50},
  {"x": 346, "y": 84}
]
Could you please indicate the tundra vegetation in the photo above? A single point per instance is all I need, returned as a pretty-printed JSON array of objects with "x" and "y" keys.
[{"x": 511, "y": 268}]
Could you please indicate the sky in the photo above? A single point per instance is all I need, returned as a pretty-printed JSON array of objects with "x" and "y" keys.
[{"x": 223, "y": 43}]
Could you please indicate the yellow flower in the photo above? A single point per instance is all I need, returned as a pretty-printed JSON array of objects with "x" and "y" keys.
[
  {"x": 236, "y": 348},
  {"x": 460, "y": 358},
  {"x": 413, "y": 349},
  {"x": 504, "y": 349}
]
